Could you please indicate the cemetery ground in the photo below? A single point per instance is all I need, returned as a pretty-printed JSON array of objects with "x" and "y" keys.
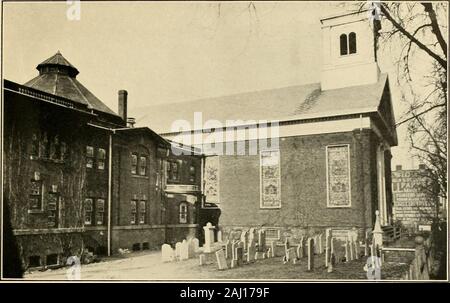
[{"x": 147, "y": 265}]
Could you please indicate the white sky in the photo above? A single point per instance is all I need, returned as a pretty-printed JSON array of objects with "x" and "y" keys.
[{"x": 171, "y": 52}]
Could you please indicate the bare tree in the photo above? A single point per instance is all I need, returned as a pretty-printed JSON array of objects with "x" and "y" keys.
[{"x": 420, "y": 31}]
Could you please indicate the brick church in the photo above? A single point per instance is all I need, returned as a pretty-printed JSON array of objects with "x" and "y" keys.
[{"x": 331, "y": 165}]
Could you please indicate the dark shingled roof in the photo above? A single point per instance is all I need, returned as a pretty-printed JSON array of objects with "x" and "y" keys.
[
  {"x": 58, "y": 77},
  {"x": 283, "y": 104}
]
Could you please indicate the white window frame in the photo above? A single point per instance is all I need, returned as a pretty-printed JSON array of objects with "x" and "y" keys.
[
  {"x": 261, "y": 178},
  {"x": 183, "y": 216},
  {"x": 349, "y": 177}
]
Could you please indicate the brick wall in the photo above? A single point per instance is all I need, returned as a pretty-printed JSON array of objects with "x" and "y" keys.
[{"x": 303, "y": 185}]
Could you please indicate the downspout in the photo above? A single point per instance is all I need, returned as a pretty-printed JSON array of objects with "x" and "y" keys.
[
  {"x": 109, "y": 191},
  {"x": 364, "y": 207}
]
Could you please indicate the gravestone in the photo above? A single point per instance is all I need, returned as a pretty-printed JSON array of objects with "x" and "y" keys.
[
  {"x": 209, "y": 237},
  {"x": 299, "y": 251},
  {"x": 320, "y": 239},
  {"x": 262, "y": 240},
  {"x": 184, "y": 250},
  {"x": 327, "y": 246},
  {"x": 273, "y": 248},
  {"x": 347, "y": 252},
  {"x": 252, "y": 236},
  {"x": 332, "y": 251},
  {"x": 178, "y": 251},
  {"x": 234, "y": 245},
  {"x": 357, "y": 250},
  {"x": 366, "y": 243},
  {"x": 316, "y": 246},
  {"x": 221, "y": 260},
  {"x": 202, "y": 259},
  {"x": 219, "y": 236},
  {"x": 251, "y": 250},
  {"x": 167, "y": 254},
  {"x": 191, "y": 249},
  {"x": 195, "y": 245},
  {"x": 286, "y": 245},
  {"x": 239, "y": 255},
  {"x": 244, "y": 237},
  {"x": 351, "y": 246},
  {"x": 290, "y": 254},
  {"x": 310, "y": 254},
  {"x": 228, "y": 250},
  {"x": 269, "y": 253}
]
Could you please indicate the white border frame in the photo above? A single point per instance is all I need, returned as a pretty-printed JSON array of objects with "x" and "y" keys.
[
  {"x": 260, "y": 178},
  {"x": 349, "y": 177}
]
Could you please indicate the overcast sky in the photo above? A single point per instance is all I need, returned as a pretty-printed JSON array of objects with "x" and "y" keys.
[{"x": 172, "y": 52}]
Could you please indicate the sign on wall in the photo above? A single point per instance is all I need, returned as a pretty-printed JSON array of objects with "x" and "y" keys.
[
  {"x": 338, "y": 176},
  {"x": 270, "y": 179},
  {"x": 212, "y": 179}
]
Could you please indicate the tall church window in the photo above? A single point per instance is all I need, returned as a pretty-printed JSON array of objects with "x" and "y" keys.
[
  {"x": 352, "y": 43},
  {"x": 338, "y": 176},
  {"x": 134, "y": 163},
  {"x": 343, "y": 43}
]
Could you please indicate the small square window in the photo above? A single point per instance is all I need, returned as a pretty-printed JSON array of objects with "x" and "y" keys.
[{"x": 101, "y": 157}]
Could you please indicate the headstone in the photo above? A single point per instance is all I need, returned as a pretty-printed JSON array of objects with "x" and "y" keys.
[
  {"x": 252, "y": 236},
  {"x": 299, "y": 251},
  {"x": 233, "y": 263},
  {"x": 286, "y": 245},
  {"x": 219, "y": 236},
  {"x": 178, "y": 251},
  {"x": 195, "y": 244},
  {"x": 366, "y": 243},
  {"x": 332, "y": 251},
  {"x": 239, "y": 255},
  {"x": 316, "y": 246},
  {"x": 184, "y": 250},
  {"x": 269, "y": 253},
  {"x": 273, "y": 249},
  {"x": 209, "y": 237},
  {"x": 320, "y": 238},
  {"x": 377, "y": 232},
  {"x": 347, "y": 252},
  {"x": 221, "y": 261},
  {"x": 202, "y": 258},
  {"x": 244, "y": 236},
  {"x": 327, "y": 246},
  {"x": 167, "y": 253},
  {"x": 191, "y": 248},
  {"x": 290, "y": 254},
  {"x": 262, "y": 240},
  {"x": 228, "y": 250},
  {"x": 251, "y": 250},
  {"x": 357, "y": 250},
  {"x": 351, "y": 249},
  {"x": 310, "y": 254}
]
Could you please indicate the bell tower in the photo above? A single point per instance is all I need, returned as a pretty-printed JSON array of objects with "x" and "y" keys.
[{"x": 349, "y": 50}]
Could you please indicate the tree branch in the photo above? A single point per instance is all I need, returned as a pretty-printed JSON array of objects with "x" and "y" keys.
[
  {"x": 435, "y": 27},
  {"x": 385, "y": 11}
]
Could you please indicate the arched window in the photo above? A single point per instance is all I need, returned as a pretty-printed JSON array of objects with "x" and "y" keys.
[
  {"x": 352, "y": 43},
  {"x": 183, "y": 212},
  {"x": 343, "y": 43}
]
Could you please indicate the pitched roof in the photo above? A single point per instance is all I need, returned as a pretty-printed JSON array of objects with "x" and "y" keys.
[
  {"x": 58, "y": 77},
  {"x": 282, "y": 104}
]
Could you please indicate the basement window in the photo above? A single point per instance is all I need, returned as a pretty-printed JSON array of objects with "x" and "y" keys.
[
  {"x": 52, "y": 259},
  {"x": 34, "y": 261},
  {"x": 145, "y": 246},
  {"x": 136, "y": 247},
  {"x": 272, "y": 234}
]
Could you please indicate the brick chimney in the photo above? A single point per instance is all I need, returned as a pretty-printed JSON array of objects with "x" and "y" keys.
[{"x": 123, "y": 95}]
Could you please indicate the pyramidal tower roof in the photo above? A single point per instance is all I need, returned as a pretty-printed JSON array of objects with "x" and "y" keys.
[{"x": 57, "y": 76}]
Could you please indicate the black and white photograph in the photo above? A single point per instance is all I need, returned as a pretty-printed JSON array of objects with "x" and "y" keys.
[{"x": 227, "y": 141}]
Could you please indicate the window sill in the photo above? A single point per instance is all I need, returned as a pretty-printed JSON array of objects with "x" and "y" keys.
[
  {"x": 46, "y": 160},
  {"x": 139, "y": 176},
  {"x": 35, "y": 211}
]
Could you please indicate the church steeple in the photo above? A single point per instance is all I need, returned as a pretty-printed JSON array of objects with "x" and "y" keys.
[{"x": 349, "y": 50}]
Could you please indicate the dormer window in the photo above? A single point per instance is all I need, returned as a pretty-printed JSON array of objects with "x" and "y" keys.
[{"x": 348, "y": 44}]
